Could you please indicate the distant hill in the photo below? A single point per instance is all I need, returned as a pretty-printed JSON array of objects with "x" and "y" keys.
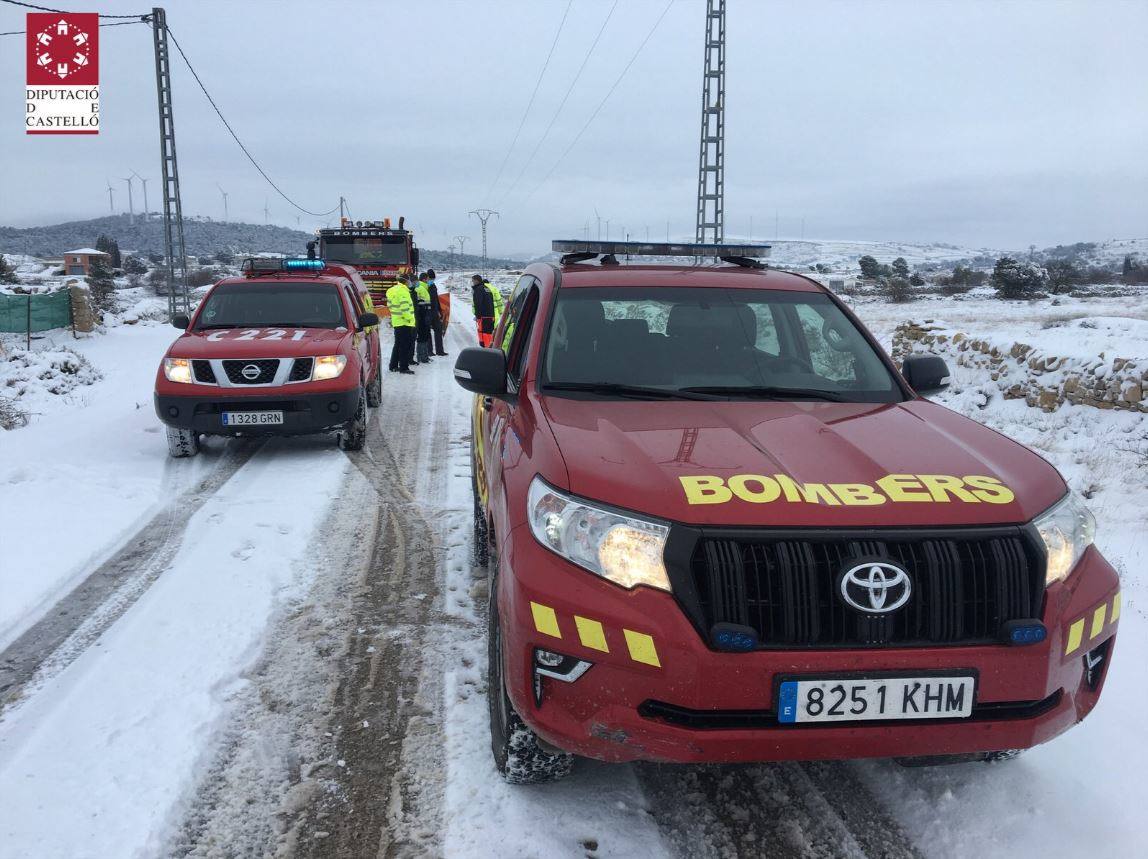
[{"x": 202, "y": 238}]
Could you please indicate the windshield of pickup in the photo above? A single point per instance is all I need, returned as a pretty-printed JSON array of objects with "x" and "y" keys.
[
  {"x": 281, "y": 305},
  {"x": 703, "y": 343}
]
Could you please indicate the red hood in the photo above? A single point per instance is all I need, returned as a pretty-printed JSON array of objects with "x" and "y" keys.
[
  {"x": 636, "y": 454},
  {"x": 226, "y": 343}
]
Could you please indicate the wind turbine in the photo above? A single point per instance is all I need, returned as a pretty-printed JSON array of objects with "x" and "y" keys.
[
  {"x": 224, "y": 193},
  {"x": 143, "y": 181},
  {"x": 131, "y": 206},
  {"x": 111, "y": 197}
]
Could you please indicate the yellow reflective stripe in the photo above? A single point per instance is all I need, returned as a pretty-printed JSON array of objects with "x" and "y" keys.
[
  {"x": 545, "y": 620},
  {"x": 642, "y": 648},
  {"x": 1115, "y": 608},
  {"x": 1075, "y": 633},
  {"x": 1098, "y": 620},
  {"x": 591, "y": 634}
]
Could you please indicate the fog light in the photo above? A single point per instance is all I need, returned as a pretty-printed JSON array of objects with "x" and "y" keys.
[
  {"x": 333, "y": 406},
  {"x": 173, "y": 411},
  {"x": 547, "y": 663},
  {"x": 548, "y": 658},
  {"x": 1094, "y": 664},
  {"x": 1022, "y": 632}
]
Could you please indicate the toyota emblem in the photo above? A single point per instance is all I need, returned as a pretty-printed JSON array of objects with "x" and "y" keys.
[
  {"x": 875, "y": 587},
  {"x": 251, "y": 372}
]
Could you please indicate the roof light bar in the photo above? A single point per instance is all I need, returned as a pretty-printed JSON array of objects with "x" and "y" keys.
[
  {"x": 659, "y": 249},
  {"x": 264, "y": 265}
]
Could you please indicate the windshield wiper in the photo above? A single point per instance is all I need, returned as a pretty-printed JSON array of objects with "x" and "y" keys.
[
  {"x": 632, "y": 391},
  {"x": 768, "y": 392}
]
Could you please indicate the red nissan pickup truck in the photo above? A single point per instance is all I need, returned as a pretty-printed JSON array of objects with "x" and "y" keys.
[
  {"x": 291, "y": 347},
  {"x": 722, "y": 526}
]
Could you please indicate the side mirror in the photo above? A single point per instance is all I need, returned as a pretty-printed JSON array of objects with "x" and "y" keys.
[
  {"x": 926, "y": 374},
  {"x": 181, "y": 321},
  {"x": 366, "y": 320},
  {"x": 481, "y": 371}
]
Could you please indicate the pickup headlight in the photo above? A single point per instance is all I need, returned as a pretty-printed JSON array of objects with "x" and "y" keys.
[
  {"x": 328, "y": 367},
  {"x": 178, "y": 370},
  {"x": 625, "y": 550},
  {"x": 1067, "y": 529}
]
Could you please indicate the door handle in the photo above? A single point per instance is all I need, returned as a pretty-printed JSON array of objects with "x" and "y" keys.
[{"x": 487, "y": 403}]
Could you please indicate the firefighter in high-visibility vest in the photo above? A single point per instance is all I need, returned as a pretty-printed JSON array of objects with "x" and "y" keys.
[
  {"x": 496, "y": 297},
  {"x": 403, "y": 322}
]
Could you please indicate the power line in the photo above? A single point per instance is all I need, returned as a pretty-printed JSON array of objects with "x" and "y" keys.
[
  {"x": 601, "y": 104},
  {"x": 561, "y": 104},
  {"x": 112, "y": 24},
  {"x": 530, "y": 103},
  {"x": 235, "y": 136},
  {"x": 62, "y": 11}
]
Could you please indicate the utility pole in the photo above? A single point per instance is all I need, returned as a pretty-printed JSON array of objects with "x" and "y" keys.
[
  {"x": 451, "y": 248},
  {"x": 174, "y": 248},
  {"x": 111, "y": 197},
  {"x": 462, "y": 240},
  {"x": 131, "y": 207},
  {"x": 143, "y": 182},
  {"x": 483, "y": 216},
  {"x": 265, "y": 213},
  {"x": 224, "y": 193},
  {"x": 711, "y": 156},
  {"x": 342, "y": 209}
]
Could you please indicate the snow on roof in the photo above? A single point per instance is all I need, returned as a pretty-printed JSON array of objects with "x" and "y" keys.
[{"x": 88, "y": 251}]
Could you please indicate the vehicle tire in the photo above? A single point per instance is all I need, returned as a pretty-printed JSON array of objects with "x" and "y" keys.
[
  {"x": 182, "y": 442},
  {"x": 354, "y": 432},
  {"x": 480, "y": 550},
  {"x": 518, "y": 753},
  {"x": 375, "y": 390}
]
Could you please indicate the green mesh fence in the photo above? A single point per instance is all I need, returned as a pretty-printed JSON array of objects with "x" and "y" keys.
[{"x": 20, "y": 314}]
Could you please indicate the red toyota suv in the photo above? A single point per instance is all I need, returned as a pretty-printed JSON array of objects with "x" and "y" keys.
[
  {"x": 723, "y": 527},
  {"x": 292, "y": 347}
]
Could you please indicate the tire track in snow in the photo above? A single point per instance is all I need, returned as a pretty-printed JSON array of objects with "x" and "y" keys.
[{"x": 77, "y": 620}]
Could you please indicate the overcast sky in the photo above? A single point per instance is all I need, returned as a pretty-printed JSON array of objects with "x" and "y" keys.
[{"x": 990, "y": 124}]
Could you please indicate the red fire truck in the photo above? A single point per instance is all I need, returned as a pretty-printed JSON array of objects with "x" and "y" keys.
[{"x": 381, "y": 253}]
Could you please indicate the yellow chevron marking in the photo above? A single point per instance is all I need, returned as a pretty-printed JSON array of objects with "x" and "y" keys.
[
  {"x": 642, "y": 648},
  {"x": 591, "y": 634},
  {"x": 545, "y": 620},
  {"x": 1115, "y": 608},
  {"x": 1075, "y": 633},
  {"x": 1098, "y": 621}
]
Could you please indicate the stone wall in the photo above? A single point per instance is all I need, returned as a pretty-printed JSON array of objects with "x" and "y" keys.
[{"x": 1041, "y": 379}]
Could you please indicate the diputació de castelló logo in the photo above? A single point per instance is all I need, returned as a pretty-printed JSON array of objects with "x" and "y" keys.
[{"x": 63, "y": 89}]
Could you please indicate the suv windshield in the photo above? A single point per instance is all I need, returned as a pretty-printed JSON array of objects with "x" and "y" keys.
[
  {"x": 281, "y": 304},
  {"x": 382, "y": 250},
  {"x": 711, "y": 342}
]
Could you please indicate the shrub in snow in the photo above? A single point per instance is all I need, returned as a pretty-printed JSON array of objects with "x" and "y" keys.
[
  {"x": 899, "y": 290},
  {"x": 1014, "y": 279},
  {"x": 11, "y": 416},
  {"x": 58, "y": 370},
  {"x": 102, "y": 285},
  {"x": 7, "y": 275}
]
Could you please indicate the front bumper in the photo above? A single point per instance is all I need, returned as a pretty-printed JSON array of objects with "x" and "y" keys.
[
  {"x": 303, "y": 413},
  {"x": 656, "y": 691}
]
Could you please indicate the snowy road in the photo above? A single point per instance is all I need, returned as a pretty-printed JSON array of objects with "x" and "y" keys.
[{"x": 289, "y": 659}]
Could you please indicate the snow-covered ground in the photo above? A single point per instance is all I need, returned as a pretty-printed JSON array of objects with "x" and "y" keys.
[{"x": 99, "y": 757}]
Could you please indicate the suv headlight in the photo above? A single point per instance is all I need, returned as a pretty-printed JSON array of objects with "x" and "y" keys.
[
  {"x": 328, "y": 367},
  {"x": 177, "y": 370},
  {"x": 624, "y": 549},
  {"x": 1067, "y": 529}
]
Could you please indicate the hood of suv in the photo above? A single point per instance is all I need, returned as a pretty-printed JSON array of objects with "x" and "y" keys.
[
  {"x": 807, "y": 464},
  {"x": 259, "y": 342}
]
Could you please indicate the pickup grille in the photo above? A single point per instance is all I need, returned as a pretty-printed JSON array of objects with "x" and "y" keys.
[
  {"x": 267, "y": 368},
  {"x": 301, "y": 370},
  {"x": 964, "y": 587},
  {"x": 203, "y": 372}
]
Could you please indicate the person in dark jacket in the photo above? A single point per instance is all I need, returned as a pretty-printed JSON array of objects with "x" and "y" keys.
[
  {"x": 412, "y": 287},
  {"x": 422, "y": 320},
  {"x": 483, "y": 310},
  {"x": 438, "y": 328}
]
